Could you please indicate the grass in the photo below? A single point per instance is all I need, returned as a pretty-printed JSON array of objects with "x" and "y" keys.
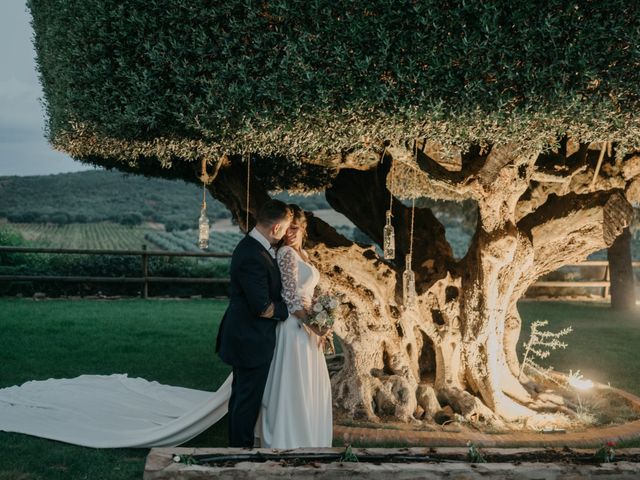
[
  {"x": 603, "y": 344},
  {"x": 172, "y": 341}
]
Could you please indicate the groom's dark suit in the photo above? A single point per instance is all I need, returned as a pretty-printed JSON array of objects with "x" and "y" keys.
[{"x": 246, "y": 338}]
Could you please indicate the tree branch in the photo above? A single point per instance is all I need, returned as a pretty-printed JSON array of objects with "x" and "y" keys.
[
  {"x": 568, "y": 228},
  {"x": 230, "y": 188},
  {"x": 363, "y": 197}
]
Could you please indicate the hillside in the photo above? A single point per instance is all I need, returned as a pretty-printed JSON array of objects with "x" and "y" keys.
[
  {"x": 32, "y": 204},
  {"x": 99, "y": 195}
]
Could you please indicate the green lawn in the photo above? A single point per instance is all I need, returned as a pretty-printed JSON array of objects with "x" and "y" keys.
[
  {"x": 172, "y": 341},
  {"x": 603, "y": 345}
]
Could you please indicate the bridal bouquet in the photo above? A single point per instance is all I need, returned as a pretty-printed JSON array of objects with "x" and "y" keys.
[{"x": 324, "y": 311}]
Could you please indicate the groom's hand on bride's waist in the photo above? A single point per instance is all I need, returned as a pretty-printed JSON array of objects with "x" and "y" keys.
[
  {"x": 269, "y": 311},
  {"x": 302, "y": 315}
]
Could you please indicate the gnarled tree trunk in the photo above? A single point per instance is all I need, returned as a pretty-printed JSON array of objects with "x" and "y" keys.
[{"x": 457, "y": 346}]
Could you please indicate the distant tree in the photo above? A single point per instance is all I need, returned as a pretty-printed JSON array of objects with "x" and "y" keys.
[
  {"x": 171, "y": 226},
  {"x": 131, "y": 219},
  {"x": 11, "y": 238},
  {"x": 24, "y": 217},
  {"x": 59, "y": 218}
]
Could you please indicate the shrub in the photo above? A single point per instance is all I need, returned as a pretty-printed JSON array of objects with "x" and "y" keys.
[
  {"x": 59, "y": 218},
  {"x": 131, "y": 219},
  {"x": 11, "y": 238}
]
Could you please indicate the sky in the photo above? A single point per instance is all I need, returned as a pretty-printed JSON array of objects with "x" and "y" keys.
[{"x": 24, "y": 149}]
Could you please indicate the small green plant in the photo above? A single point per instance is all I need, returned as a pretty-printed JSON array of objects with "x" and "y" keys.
[
  {"x": 540, "y": 345},
  {"x": 473, "y": 454},
  {"x": 606, "y": 453},
  {"x": 186, "y": 459},
  {"x": 348, "y": 455}
]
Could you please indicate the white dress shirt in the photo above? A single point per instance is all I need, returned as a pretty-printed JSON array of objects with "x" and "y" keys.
[{"x": 263, "y": 241}]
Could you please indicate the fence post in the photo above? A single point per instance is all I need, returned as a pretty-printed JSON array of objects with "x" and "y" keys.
[
  {"x": 607, "y": 277},
  {"x": 145, "y": 272}
]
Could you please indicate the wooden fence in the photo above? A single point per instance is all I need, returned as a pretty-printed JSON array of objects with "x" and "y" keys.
[
  {"x": 604, "y": 284},
  {"x": 145, "y": 279}
]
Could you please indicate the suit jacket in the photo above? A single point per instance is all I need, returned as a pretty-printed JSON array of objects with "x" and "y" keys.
[{"x": 245, "y": 339}]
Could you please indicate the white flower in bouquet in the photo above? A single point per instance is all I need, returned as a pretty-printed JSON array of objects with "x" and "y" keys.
[
  {"x": 325, "y": 309},
  {"x": 324, "y": 312},
  {"x": 322, "y": 317}
]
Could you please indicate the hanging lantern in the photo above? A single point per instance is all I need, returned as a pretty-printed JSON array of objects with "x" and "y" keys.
[
  {"x": 408, "y": 284},
  {"x": 409, "y": 295},
  {"x": 389, "y": 239},
  {"x": 203, "y": 223}
]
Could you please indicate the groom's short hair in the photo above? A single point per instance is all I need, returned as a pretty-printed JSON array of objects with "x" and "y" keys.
[{"x": 273, "y": 211}]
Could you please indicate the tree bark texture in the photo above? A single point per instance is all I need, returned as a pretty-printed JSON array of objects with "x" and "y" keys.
[{"x": 457, "y": 346}]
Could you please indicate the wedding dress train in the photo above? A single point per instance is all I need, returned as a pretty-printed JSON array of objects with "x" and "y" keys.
[
  {"x": 116, "y": 411},
  {"x": 111, "y": 411}
]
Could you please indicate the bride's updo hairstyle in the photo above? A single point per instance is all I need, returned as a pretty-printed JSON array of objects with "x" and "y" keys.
[{"x": 299, "y": 218}]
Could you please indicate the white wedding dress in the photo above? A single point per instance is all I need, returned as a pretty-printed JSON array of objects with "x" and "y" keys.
[
  {"x": 115, "y": 411},
  {"x": 296, "y": 405}
]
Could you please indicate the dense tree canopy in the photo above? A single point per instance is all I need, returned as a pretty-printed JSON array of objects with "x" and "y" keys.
[{"x": 175, "y": 80}]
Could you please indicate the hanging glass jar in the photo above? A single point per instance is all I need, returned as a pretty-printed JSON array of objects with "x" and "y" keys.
[
  {"x": 203, "y": 224},
  {"x": 389, "y": 239},
  {"x": 408, "y": 284},
  {"x": 203, "y": 237}
]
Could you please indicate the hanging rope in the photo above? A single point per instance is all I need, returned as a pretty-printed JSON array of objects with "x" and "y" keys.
[
  {"x": 605, "y": 147},
  {"x": 248, "y": 156},
  {"x": 413, "y": 202},
  {"x": 413, "y": 210},
  {"x": 384, "y": 152},
  {"x": 205, "y": 178},
  {"x": 203, "y": 175},
  {"x": 203, "y": 221}
]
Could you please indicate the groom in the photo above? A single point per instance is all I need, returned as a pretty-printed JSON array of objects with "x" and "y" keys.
[{"x": 247, "y": 335}]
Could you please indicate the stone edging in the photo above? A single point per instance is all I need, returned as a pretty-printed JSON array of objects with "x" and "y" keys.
[{"x": 160, "y": 466}]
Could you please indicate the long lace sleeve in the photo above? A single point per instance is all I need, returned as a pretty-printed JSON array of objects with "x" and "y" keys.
[{"x": 288, "y": 264}]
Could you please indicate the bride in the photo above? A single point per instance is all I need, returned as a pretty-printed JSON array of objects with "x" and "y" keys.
[
  {"x": 115, "y": 411},
  {"x": 296, "y": 405}
]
